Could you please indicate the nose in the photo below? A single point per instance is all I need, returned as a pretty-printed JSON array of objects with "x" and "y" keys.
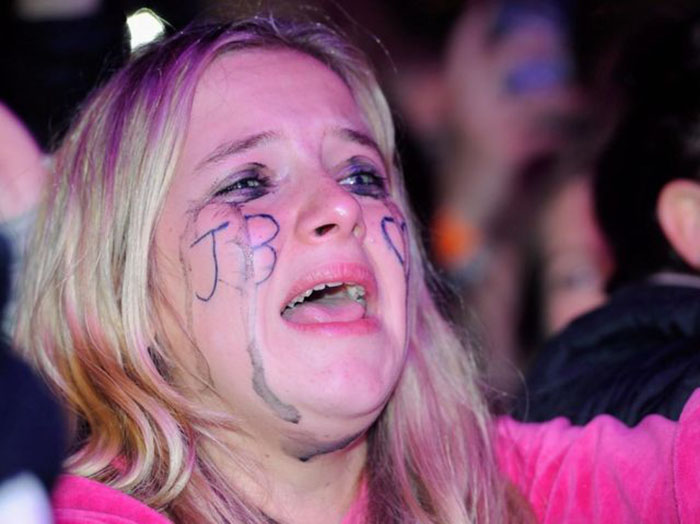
[{"x": 329, "y": 211}]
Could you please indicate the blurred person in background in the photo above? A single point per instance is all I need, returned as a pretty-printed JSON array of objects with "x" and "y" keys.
[
  {"x": 639, "y": 353},
  {"x": 512, "y": 101},
  {"x": 567, "y": 260},
  {"x": 56, "y": 51},
  {"x": 575, "y": 260}
]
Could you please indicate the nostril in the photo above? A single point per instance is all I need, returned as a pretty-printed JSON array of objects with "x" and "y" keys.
[{"x": 326, "y": 228}]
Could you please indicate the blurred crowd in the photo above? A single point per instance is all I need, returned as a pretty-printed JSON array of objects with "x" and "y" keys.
[{"x": 551, "y": 156}]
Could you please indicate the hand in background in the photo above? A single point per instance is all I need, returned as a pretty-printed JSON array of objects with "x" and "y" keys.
[
  {"x": 22, "y": 167},
  {"x": 511, "y": 91}
]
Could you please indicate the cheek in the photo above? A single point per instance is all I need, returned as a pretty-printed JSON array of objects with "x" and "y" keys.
[
  {"x": 216, "y": 254},
  {"x": 394, "y": 235},
  {"x": 388, "y": 238},
  {"x": 214, "y": 249}
]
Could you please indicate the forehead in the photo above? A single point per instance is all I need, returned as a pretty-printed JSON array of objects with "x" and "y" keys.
[{"x": 258, "y": 88}]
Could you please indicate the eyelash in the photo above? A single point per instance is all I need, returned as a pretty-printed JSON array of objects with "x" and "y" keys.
[
  {"x": 241, "y": 188},
  {"x": 374, "y": 184},
  {"x": 363, "y": 180}
]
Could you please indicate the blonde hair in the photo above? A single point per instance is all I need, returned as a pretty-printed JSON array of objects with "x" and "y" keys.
[{"x": 89, "y": 322}]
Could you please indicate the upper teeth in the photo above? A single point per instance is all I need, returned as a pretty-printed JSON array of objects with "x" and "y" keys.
[{"x": 354, "y": 291}]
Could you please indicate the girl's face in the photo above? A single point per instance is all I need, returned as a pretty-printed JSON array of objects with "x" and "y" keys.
[{"x": 282, "y": 252}]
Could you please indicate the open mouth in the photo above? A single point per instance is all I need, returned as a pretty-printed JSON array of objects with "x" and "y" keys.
[{"x": 327, "y": 302}]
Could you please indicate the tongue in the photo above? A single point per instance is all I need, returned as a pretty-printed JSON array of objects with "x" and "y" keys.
[{"x": 326, "y": 309}]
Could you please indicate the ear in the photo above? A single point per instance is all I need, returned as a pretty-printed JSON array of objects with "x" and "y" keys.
[{"x": 678, "y": 212}]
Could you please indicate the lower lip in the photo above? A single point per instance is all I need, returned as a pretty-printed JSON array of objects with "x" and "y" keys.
[{"x": 363, "y": 326}]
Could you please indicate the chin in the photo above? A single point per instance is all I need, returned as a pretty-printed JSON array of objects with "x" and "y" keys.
[
  {"x": 357, "y": 390},
  {"x": 333, "y": 379}
]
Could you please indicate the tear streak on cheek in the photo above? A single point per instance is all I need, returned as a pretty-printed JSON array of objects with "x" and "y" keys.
[
  {"x": 286, "y": 412},
  {"x": 252, "y": 237},
  {"x": 306, "y": 448}
]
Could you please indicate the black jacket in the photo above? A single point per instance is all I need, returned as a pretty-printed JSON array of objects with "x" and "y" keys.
[
  {"x": 638, "y": 354},
  {"x": 32, "y": 429}
]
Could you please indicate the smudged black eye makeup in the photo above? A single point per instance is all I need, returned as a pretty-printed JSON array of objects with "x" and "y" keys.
[
  {"x": 245, "y": 185},
  {"x": 364, "y": 179}
]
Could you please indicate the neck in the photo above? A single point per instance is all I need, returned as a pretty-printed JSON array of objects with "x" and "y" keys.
[{"x": 300, "y": 484}]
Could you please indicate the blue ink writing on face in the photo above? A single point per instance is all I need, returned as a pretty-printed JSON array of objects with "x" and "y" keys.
[
  {"x": 387, "y": 237},
  {"x": 265, "y": 243},
  {"x": 213, "y": 233}
]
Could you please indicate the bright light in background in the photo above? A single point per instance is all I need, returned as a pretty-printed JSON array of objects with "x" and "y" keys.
[{"x": 144, "y": 27}]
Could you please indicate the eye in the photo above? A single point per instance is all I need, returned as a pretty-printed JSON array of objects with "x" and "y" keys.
[
  {"x": 247, "y": 185},
  {"x": 365, "y": 180}
]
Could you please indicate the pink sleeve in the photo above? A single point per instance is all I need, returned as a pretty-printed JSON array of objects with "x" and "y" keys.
[
  {"x": 77, "y": 500},
  {"x": 605, "y": 471}
]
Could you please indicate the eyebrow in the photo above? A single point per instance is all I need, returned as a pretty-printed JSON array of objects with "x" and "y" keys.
[
  {"x": 247, "y": 143},
  {"x": 237, "y": 147},
  {"x": 357, "y": 137}
]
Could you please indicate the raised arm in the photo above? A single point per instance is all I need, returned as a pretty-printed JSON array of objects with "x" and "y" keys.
[{"x": 605, "y": 471}]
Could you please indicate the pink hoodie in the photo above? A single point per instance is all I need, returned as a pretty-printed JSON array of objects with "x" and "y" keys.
[{"x": 603, "y": 472}]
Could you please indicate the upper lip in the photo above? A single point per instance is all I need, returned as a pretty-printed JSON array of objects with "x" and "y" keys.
[{"x": 345, "y": 272}]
